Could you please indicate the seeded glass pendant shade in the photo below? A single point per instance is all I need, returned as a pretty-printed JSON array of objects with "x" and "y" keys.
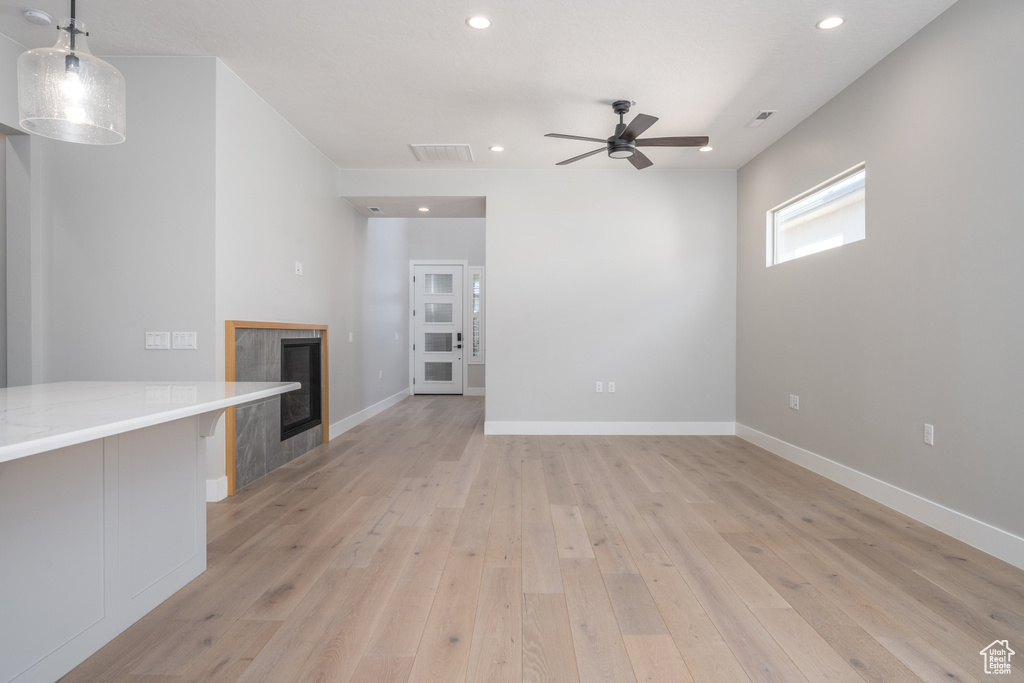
[{"x": 65, "y": 93}]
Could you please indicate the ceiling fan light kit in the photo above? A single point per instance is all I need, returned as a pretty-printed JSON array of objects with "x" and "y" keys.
[
  {"x": 66, "y": 93},
  {"x": 624, "y": 142}
]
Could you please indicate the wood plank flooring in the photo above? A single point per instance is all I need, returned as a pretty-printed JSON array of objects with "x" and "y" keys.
[{"x": 413, "y": 548}]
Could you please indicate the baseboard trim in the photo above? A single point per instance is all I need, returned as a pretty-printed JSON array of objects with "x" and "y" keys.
[
  {"x": 216, "y": 489},
  {"x": 610, "y": 428},
  {"x": 985, "y": 537},
  {"x": 473, "y": 391},
  {"x": 341, "y": 426}
]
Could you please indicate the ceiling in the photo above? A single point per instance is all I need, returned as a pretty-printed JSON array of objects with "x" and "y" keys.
[{"x": 364, "y": 79}]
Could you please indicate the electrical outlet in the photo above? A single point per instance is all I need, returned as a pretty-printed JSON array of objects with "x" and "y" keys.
[
  {"x": 794, "y": 402},
  {"x": 298, "y": 268},
  {"x": 611, "y": 387},
  {"x": 929, "y": 434},
  {"x": 600, "y": 387}
]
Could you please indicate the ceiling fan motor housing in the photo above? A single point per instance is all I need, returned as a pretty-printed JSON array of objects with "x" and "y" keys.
[{"x": 619, "y": 148}]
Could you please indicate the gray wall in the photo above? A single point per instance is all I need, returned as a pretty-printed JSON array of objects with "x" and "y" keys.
[
  {"x": 922, "y": 321},
  {"x": 104, "y": 243},
  {"x": 384, "y": 310},
  {"x": 9, "y": 53},
  {"x": 197, "y": 218},
  {"x": 130, "y": 231},
  {"x": 434, "y": 239},
  {"x": 600, "y": 275},
  {"x": 3, "y": 260},
  {"x": 26, "y": 278},
  {"x": 277, "y": 203}
]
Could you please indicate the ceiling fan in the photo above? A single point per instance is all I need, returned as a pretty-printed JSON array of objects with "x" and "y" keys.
[{"x": 623, "y": 145}]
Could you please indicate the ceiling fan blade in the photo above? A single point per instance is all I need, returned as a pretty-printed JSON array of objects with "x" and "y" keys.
[
  {"x": 693, "y": 141},
  {"x": 582, "y": 156},
  {"x": 640, "y": 160},
  {"x": 573, "y": 137},
  {"x": 637, "y": 126}
]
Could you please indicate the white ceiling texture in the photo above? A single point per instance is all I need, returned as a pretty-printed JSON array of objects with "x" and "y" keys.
[{"x": 364, "y": 79}]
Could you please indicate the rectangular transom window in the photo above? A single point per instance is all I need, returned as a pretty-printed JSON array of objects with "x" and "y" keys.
[{"x": 827, "y": 216}]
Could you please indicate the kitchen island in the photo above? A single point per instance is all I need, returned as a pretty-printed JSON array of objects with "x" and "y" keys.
[{"x": 102, "y": 510}]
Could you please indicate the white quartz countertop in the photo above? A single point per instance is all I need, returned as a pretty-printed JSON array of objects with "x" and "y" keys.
[{"x": 43, "y": 417}]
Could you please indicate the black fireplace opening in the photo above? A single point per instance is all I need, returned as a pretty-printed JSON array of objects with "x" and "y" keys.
[{"x": 300, "y": 362}]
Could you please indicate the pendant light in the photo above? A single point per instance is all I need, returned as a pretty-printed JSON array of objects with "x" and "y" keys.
[{"x": 65, "y": 93}]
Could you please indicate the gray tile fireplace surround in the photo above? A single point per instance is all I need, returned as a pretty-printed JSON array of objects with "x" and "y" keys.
[{"x": 258, "y": 446}]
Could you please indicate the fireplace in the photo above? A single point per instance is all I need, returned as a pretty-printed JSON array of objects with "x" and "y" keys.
[
  {"x": 256, "y": 443},
  {"x": 300, "y": 362}
]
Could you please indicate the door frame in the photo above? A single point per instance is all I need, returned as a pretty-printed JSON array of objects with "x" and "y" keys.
[{"x": 412, "y": 321}]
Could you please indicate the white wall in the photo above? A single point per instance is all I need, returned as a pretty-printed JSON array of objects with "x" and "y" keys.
[
  {"x": 621, "y": 276},
  {"x": 920, "y": 322}
]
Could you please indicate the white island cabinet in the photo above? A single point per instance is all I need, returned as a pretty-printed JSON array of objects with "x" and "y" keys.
[{"x": 102, "y": 510}]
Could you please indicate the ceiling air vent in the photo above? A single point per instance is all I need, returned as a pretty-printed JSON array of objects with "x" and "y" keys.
[
  {"x": 435, "y": 153},
  {"x": 374, "y": 209},
  {"x": 761, "y": 117}
]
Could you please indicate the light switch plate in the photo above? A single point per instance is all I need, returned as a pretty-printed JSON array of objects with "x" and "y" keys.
[
  {"x": 183, "y": 340},
  {"x": 158, "y": 341}
]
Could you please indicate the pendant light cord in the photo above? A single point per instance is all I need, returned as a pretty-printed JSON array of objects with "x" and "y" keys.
[{"x": 73, "y": 27}]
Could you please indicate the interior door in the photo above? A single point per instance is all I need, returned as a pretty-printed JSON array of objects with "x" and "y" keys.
[{"x": 437, "y": 329}]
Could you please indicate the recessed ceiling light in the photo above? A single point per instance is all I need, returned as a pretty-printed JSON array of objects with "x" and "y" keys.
[
  {"x": 830, "y": 22},
  {"x": 424, "y": 209},
  {"x": 479, "y": 22},
  {"x": 497, "y": 148},
  {"x": 705, "y": 148}
]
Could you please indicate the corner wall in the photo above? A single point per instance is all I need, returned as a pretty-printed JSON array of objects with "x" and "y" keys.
[
  {"x": 277, "y": 204},
  {"x": 921, "y": 321}
]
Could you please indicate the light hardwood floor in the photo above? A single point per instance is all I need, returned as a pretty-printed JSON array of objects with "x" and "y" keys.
[{"x": 413, "y": 548}]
